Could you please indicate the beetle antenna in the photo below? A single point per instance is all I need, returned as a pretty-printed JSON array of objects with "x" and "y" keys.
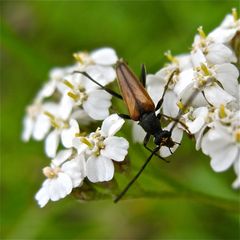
[
  {"x": 160, "y": 102},
  {"x": 113, "y": 93},
  {"x": 137, "y": 175}
]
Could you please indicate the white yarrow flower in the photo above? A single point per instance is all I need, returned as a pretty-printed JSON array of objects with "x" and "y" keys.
[
  {"x": 222, "y": 144},
  {"x": 65, "y": 173},
  {"x": 103, "y": 148}
]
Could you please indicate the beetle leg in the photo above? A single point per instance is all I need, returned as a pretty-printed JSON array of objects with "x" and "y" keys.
[
  {"x": 145, "y": 142},
  {"x": 136, "y": 176},
  {"x": 110, "y": 91}
]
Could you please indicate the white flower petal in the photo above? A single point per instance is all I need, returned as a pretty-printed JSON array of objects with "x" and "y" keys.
[
  {"x": 76, "y": 169},
  {"x": 198, "y": 58},
  {"x": 212, "y": 142},
  {"x": 219, "y": 53},
  {"x": 42, "y": 197},
  {"x": 199, "y": 136},
  {"x": 62, "y": 156},
  {"x": 99, "y": 169},
  {"x": 59, "y": 187},
  {"x": 82, "y": 116},
  {"x": 185, "y": 78},
  {"x": 227, "y": 74},
  {"x": 101, "y": 74},
  {"x": 68, "y": 134},
  {"x": 115, "y": 148},
  {"x": 184, "y": 61},
  {"x": 200, "y": 115},
  {"x": 170, "y": 107},
  {"x": 104, "y": 56},
  {"x": 65, "y": 106},
  {"x": 47, "y": 90},
  {"x": 223, "y": 159},
  {"x": 97, "y": 104},
  {"x": 41, "y": 127},
  {"x": 217, "y": 96},
  {"x": 111, "y": 125},
  {"x": 81, "y": 147},
  {"x": 51, "y": 143},
  {"x": 155, "y": 86},
  {"x": 28, "y": 124},
  {"x": 221, "y": 35},
  {"x": 138, "y": 134}
]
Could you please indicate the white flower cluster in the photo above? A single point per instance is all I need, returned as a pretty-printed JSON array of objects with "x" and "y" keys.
[
  {"x": 204, "y": 85},
  {"x": 66, "y": 101},
  {"x": 201, "y": 97}
]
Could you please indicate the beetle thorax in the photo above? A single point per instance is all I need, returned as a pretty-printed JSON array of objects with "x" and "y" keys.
[{"x": 150, "y": 123}]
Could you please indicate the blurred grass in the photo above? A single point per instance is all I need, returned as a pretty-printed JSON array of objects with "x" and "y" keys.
[{"x": 39, "y": 35}]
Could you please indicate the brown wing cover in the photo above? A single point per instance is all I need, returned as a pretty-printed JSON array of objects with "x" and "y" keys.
[{"x": 134, "y": 94}]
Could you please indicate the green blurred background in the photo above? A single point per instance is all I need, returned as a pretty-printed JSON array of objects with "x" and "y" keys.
[{"x": 39, "y": 35}]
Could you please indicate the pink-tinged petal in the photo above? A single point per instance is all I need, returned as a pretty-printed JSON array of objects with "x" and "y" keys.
[
  {"x": 75, "y": 169},
  {"x": 62, "y": 156},
  {"x": 41, "y": 127},
  {"x": 224, "y": 158},
  {"x": 51, "y": 143},
  {"x": 219, "y": 53},
  {"x": 111, "y": 125},
  {"x": 138, "y": 134},
  {"x": 99, "y": 169},
  {"x": 28, "y": 124},
  {"x": 104, "y": 56},
  {"x": 42, "y": 197},
  {"x": 115, "y": 148},
  {"x": 217, "y": 96},
  {"x": 68, "y": 134},
  {"x": 227, "y": 74},
  {"x": 59, "y": 187}
]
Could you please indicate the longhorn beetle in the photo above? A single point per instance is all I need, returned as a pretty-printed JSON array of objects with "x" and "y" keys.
[{"x": 142, "y": 109}]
